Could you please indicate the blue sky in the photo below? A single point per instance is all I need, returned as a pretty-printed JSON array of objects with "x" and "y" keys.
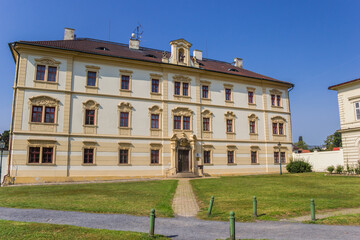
[{"x": 313, "y": 44}]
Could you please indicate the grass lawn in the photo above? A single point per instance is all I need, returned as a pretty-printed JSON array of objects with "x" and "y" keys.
[
  {"x": 278, "y": 196},
  {"x": 136, "y": 198},
  {"x": 38, "y": 231},
  {"x": 350, "y": 219}
]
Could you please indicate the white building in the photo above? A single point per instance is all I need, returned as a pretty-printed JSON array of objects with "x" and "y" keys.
[
  {"x": 349, "y": 110},
  {"x": 87, "y": 109}
]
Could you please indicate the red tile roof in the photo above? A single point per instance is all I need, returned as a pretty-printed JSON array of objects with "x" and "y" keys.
[
  {"x": 144, "y": 54},
  {"x": 344, "y": 83}
]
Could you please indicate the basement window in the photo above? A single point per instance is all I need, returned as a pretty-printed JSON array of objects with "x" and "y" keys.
[
  {"x": 103, "y": 48},
  {"x": 150, "y": 55}
]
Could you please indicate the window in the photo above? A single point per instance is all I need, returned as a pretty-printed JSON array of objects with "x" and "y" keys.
[
  {"x": 228, "y": 94},
  {"x": 52, "y": 74},
  {"x": 357, "y": 110},
  {"x": 90, "y": 117},
  {"x": 154, "y": 156},
  {"x": 185, "y": 89},
  {"x": 253, "y": 157},
  {"x": 186, "y": 123},
  {"x": 252, "y": 127},
  {"x": 177, "y": 122},
  {"x": 36, "y": 115},
  {"x": 229, "y": 125},
  {"x": 206, "y": 124},
  {"x": 88, "y": 156},
  {"x": 278, "y": 100},
  {"x": 124, "y": 119},
  {"x": 207, "y": 159},
  {"x": 124, "y": 156},
  {"x": 281, "y": 129},
  {"x": 276, "y": 157},
  {"x": 40, "y": 72},
  {"x": 91, "y": 79},
  {"x": 275, "y": 131},
  {"x": 125, "y": 82},
  {"x": 250, "y": 97},
  {"x": 230, "y": 156},
  {"x": 273, "y": 100},
  {"x": 282, "y": 157},
  {"x": 49, "y": 115},
  {"x": 177, "y": 88},
  {"x": 47, "y": 155},
  {"x": 155, "y": 85},
  {"x": 205, "y": 91},
  {"x": 155, "y": 121},
  {"x": 34, "y": 154}
]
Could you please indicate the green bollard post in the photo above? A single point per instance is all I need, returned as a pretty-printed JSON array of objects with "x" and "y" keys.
[
  {"x": 312, "y": 208},
  {"x": 232, "y": 225},
  {"x": 210, "y": 205},
  {"x": 152, "y": 223},
  {"x": 254, "y": 206}
]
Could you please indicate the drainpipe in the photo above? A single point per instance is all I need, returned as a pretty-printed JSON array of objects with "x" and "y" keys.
[{"x": 12, "y": 47}]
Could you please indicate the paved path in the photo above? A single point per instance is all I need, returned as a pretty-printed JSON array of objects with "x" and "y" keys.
[
  {"x": 184, "y": 202},
  {"x": 182, "y": 228},
  {"x": 326, "y": 214}
]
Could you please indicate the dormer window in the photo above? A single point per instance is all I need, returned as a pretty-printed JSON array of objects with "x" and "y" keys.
[
  {"x": 232, "y": 70},
  {"x": 150, "y": 55},
  {"x": 102, "y": 48}
]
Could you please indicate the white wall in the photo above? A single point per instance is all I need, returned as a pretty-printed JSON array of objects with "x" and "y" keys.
[{"x": 321, "y": 160}]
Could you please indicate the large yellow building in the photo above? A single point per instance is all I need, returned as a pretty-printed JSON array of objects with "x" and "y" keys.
[{"x": 87, "y": 109}]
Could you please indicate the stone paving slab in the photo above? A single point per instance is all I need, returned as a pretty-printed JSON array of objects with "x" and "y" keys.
[
  {"x": 184, "y": 202},
  {"x": 182, "y": 228}
]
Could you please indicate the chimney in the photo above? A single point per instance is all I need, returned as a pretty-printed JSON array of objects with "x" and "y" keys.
[
  {"x": 133, "y": 44},
  {"x": 238, "y": 62},
  {"x": 69, "y": 34},
  {"x": 197, "y": 54}
]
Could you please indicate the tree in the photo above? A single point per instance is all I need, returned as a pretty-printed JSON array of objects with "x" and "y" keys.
[
  {"x": 333, "y": 140},
  {"x": 5, "y": 137},
  {"x": 301, "y": 144}
]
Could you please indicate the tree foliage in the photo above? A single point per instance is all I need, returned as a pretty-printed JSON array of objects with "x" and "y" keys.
[
  {"x": 5, "y": 137},
  {"x": 333, "y": 140},
  {"x": 301, "y": 144}
]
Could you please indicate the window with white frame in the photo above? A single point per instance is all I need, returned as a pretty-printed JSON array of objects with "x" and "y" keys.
[{"x": 357, "y": 110}]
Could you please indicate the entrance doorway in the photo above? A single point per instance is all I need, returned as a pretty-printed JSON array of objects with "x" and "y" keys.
[{"x": 183, "y": 161}]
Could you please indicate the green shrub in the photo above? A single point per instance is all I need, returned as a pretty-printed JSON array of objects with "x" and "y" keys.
[
  {"x": 298, "y": 166},
  {"x": 339, "y": 169},
  {"x": 330, "y": 169}
]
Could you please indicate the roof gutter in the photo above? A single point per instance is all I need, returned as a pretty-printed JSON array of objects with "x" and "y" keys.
[{"x": 25, "y": 43}]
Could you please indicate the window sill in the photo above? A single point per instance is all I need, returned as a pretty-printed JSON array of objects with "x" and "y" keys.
[
  {"x": 89, "y": 126},
  {"x": 231, "y": 164},
  {"x": 206, "y": 99},
  {"x": 127, "y": 128},
  {"x": 207, "y": 131},
  {"x": 229, "y": 101},
  {"x": 279, "y": 135},
  {"x": 181, "y": 96},
  {"x": 43, "y": 123},
  {"x": 208, "y": 164},
  {"x": 252, "y": 104},
  {"x": 43, "y": 81},
  {"x": 88, "y": 164},
  {"x": 155, "y": 129},
  {"x": 253, "y": 134},
  {"x": 231, "y": 133},
  {"x": 41, "y": 164},
  {"x": 91, "y": 87},
  {"x": 255, "y": 163},
  {"x": 155, "y": 164},
  {"x": 125, "y": 90},
  {"x": 155, "y": 93},
  {"x": 181, "y": 130},
  {"x": 124, "y": 164},
  {"x": 279, "y": 107},
  {"x": 279, "y": 163}
]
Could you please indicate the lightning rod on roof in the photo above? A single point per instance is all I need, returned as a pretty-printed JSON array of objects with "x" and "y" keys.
[{"x": 138, "y": 31}]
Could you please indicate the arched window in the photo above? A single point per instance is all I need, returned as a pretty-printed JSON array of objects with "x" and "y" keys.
[{"x": 181, "y": 55}]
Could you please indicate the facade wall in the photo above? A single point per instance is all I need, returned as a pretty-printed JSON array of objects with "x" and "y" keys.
[
  {"x": 69, "y": 136},
  {"x": 350, "y": 125}
]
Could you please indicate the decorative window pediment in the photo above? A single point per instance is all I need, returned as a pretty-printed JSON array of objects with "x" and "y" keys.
[
  {"x": 47, "y": 61},
  {"x": 253, "y": 117},
  {"x": 231, "y": 147},
  {"x": 254, "y": 148},
  {"x": 207, "y": 113},
  {"x": 275, "y": 91},
  {"x": 125, "y": 107},
  {"x": 44, "y": 101},
  {"x": 182, "y": 78},
  {"x": 91, "y": 105},
  {"x": 230, "y": 115},
  {"x": 278, "y": 119},
  {"x": 183, "y": 111},
  {"x": 155, "y": 109}
]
